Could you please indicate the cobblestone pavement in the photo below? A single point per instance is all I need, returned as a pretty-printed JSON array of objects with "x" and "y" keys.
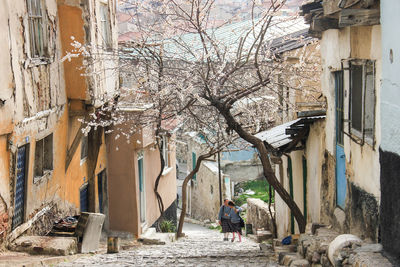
[{"x": 201, "y": 247}]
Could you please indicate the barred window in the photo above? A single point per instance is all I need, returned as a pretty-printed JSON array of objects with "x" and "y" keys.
[{"x": 362, "y": 99}]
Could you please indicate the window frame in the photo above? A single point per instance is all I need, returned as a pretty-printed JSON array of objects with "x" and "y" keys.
[
  {"x": 354, "y": 132},
  {"x": 38, "y": 32},
  {"x": 105, "y": 24},
  {"x": 47, "y": 164}
]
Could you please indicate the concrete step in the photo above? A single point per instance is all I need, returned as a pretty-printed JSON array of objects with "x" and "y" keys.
[{"x": 45, "y": 245}]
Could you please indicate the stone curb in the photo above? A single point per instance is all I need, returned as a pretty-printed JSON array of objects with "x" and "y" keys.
[{"x": 32, "y": 262}]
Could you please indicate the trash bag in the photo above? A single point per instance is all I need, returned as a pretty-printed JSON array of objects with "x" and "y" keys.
[{"x": 287, "y": 240}]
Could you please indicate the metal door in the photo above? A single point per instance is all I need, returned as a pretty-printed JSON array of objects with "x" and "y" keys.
[
  {"x": 19, "y": 208},
  {"x": 142, "y": 196},
  {"x": 341, "y": 183}
]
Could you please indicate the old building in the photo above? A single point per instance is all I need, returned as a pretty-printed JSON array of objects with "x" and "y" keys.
[
  {"x": 44, "y": 158},
  {"x": 351, "y": 63},
  {"x": 209, "y": 186},
  {"x": 134, "y": 165}
]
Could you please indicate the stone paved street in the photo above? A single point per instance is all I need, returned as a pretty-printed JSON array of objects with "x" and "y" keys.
[{"x": 202, "y": 247}]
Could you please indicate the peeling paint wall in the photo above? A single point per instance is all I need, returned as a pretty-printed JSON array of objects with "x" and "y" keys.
[
  {"x": 34, "y": 104},
  {"x": 362, "y": 160}
]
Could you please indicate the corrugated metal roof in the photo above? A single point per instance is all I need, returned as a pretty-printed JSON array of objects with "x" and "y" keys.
[{"x": 277, "y": 136}]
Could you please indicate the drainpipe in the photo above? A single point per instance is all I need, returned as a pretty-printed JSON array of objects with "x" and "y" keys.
[{"x": 219, "y": 175}]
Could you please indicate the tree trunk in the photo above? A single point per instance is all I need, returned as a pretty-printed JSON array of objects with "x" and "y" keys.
[
  {"x": 162, "y": 165},
  {"x": 267, "y": 169},
  {"x": 184, "y": 186}
]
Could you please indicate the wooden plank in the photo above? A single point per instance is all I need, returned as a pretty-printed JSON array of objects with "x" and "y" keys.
[
  {"x": 323, "y": 24},
  {"x": 330, "y": 6},
  {"x": 359, "y": 17}
]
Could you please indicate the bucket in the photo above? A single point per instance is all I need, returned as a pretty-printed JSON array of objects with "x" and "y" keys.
[{"x": 113, "y": 244}]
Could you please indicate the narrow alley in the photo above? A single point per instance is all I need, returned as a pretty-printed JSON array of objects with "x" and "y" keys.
[{"x": 201, "y": 247}]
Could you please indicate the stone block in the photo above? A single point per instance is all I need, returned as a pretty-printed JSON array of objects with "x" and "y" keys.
[
  {"x": 283, "y": 255},
  {"x": 46, "y": 245},
  {"x": 316, "y": 257},
  {"x": 289, "y": 258},
  {"x": 369, "y": 248},
  {"x": 265, "y": 246},
  {"x": 338, "y": 244},
  {"x": 300, "y": 263}
]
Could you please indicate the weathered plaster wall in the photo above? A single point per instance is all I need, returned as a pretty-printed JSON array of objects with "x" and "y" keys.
[
  {"x": 122, "y": 185},
  {"x": 315, "y": 155},
  {"x": 205, "y": 204},
  {"x": 282, "y": 210},
  {"x": 298, "y": 192},
  {"x": 72, "y": 26},
  {"x": 6, "y": 75},
  {"x": 258, "y": 214},
  {"x": 123, "y": 181},
  {"x": 167, "y": 185},
  {"x": 338, "y": 45}
]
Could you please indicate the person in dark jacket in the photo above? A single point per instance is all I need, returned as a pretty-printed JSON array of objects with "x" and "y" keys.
[
  {"x": 224, "y": 219},
  {"x": 235, "y": 220}
]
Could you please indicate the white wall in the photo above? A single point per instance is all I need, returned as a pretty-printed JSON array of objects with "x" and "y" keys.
[{"x": 390, "y": 93}]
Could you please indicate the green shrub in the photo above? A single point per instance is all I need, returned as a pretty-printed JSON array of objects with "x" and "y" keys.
[
  {"x": 167, "y": 226},
  {"x": 218, "y": 227},
  {"x": 260, "y": 188}
]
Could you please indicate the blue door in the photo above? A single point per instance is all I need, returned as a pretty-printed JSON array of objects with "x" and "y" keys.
[
  {"x": 341, "y": 183},
  {"x": 19, "y": 208}
]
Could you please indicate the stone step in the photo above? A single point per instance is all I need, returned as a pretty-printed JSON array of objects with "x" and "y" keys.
[{"x": 261, "y": 236}]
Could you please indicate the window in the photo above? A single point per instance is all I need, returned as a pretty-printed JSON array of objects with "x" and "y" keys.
[
  {"x": 165, "y": 151},
  {"x": 44, "y": 155},
  {"x": 37, "y": 28},
  {"x": 84, "y": 148},
  {"x": 362, "y": 99},
  {"x": 105, "y": 25}
]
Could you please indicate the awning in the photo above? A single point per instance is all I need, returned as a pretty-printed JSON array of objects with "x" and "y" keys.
[{"x": 285, "y": 138}]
